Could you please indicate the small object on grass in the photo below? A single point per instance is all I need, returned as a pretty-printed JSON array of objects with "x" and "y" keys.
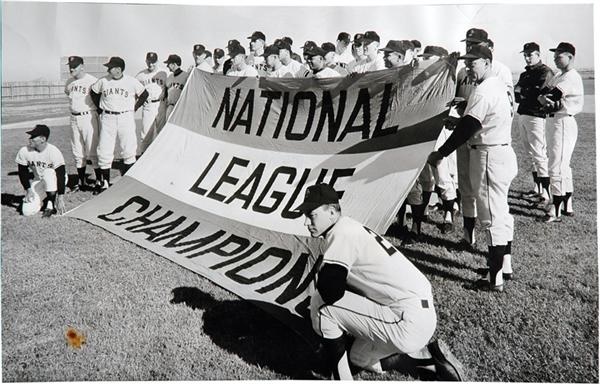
[{"x": 74, "y": 338}]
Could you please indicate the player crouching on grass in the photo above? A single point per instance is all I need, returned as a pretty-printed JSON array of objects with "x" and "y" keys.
[
  {"x": 47, "y": 164},
  {"x": 367, "y": 289}
]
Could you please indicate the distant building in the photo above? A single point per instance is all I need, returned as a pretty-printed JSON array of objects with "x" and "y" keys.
[{"x": 93, "y": 65}]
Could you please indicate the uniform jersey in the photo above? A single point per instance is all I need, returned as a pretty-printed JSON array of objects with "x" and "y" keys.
[
  {"x": 370, "y": 66},
  {"x": 327, "y": 72},
  {"x": 282, "y": 71},
  {"x": 258, "y": 62},
  {"x": 376, "y": 269},
  {"x": 249, "y": 71},
  {"x": 345, "y": 57},
  {"x": 154, "y": 82},
  {"x": 118, "y": 95},
  {"x": 571, "y": 86},
  {"x": 490, "y": 104},
  {"x": 50, "y": 157},
  {"x": 78, "y": 91},
  {"x": 528, "y": 89},
  {"x": 465, "y": 84},
  {"x": 295, "y": 68},
  {"x": 175, "y": 84}
]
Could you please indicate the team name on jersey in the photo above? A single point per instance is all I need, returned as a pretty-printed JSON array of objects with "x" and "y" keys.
[
  {"x": 176, "y": 85},
  {"x": 115, "y": 91},
  {"x": 40, "y": 164},
  {"x": 153, "y": 80},
  {"x": 74, "y": 88}
]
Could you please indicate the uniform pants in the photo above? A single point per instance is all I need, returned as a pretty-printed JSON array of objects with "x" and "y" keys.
[
  {"x": 84, "y": 139},
  {"x": 533, "y": 136},
  {"x": 561, "y": 135},
  {"x": 444, "y": 173},
  {"x": 117, "y": 126},
  {"x": 149, "y": 113},
  {"x": 379, "y": 330},
  {"x": 493, "y": 168},
  {"x": 465, "y": 186},
  {"x": 46, "y": 183}
]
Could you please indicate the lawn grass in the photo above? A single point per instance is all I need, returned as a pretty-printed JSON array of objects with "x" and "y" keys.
[{"x": 146, "y": 318}]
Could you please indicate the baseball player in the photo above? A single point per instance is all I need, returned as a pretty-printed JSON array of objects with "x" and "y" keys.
[
  {"x": 397, "y": 53},
  {"x": 330, "y": 59},
  {"x": 47, "y": 164},
  {"x": 293, "y": 55},
  {"x": 175, "y": 81},
  {"x": 563, "y": 99},
  {"x": 239, "y": 67},
  {"x": 120, "y": 96},
  {"x": 84, "y": 119},
  {"x": 343, "y": 50},
  {"x": 316, "y": 60},
  {"x": 308, "y": 45},
  {"x": 274, "y": 66},
  {"x": 465, "y": 85},
  {"x": 201, "y": 58},
  {"x": 257, "y": 49},
  {"x": 373, "y": 61},
  {"x": 532, "y": 117},
  {"x": 417, "y": 49},
  {"x": 220, "y": 58},
  {"x": 229, "y": 62},
  {"x": 154, "y": 79},
  {"x": 367, "y": 289},
  {"x": 289, "y": 65},
  {"x": 358, "y": 52},
  {"x": 486, "y": 129}
]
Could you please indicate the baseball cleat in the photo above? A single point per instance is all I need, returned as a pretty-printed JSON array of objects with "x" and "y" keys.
[
  {"x": 569, "y": 214},
  {"x": 551, "y": 219},
  {"x": 505, "y": 275},
  {"x": 48, "y": 212},
  {"x": 447, "y": 366},
  {"x": 485, "y": 285}
]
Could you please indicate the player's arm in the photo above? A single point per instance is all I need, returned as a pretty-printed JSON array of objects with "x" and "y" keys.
[
  {"x": 331, "y": 282},
  {"x": 24, "y": 176},
  {"x": 141, "y": 100},
  {"x": 61, "y": 185},
  {"x": 467, "y": 126}
]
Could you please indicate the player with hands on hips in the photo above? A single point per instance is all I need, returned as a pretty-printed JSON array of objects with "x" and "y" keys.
[
  {"x": 154, "y": 79},
  {"x": 47, "y": 164},
  {"x": 486, "y": 129},
  {"x": 367, "y": 289}
]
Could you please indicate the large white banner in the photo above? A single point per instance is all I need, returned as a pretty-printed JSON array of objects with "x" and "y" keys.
[{"x": 217, "y": 189}]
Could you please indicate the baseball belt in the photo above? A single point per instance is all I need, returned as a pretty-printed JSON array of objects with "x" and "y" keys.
[
  {"x": 481, "y": 146},
  {"x": 114, "y": 113},
  {"x": 559, "y": 114},
  {"x": 155, "y": 101},
  {"x": 81, "y": 113}
]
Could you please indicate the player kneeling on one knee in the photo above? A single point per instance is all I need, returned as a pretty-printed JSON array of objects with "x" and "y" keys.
[
  {"x": 47, "y": 164},
  {"x": 393, "y": 313}
]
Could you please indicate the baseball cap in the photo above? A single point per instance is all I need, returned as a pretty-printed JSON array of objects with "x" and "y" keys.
[
  {"x": 271, "y": 50},
  {"x": 344, "y": 36},
  {"x": 416, "y": 43},
  {"x": 288, "y": 40},
  {"x": 39, "y": 130},
  {"x": 315, "y": 51},
  {"x": 282, "y": 44},
  {"x": 328, "y": 47},
  {"x": 358, "y": 39},
  {"x": 173, "y": 59},
  {"x": 151, "y": 57},
  {"x": 477, "y": 52},
  {"x": 115, "y": 61},
  {"x": 530, "y": 47},
  {"x": 370, "y": 36},
  {"x": 564, "y": 47},
  {"x": 218, "y": 53},
  {"x": 476, "y": 35},
  {"x": 236, "y": 50},
  {"x": 308, "y": 45},
  {"x": 257, "y": 35},
  {"x": 74, "y": 61},
  {"x": 198, "y": 49},
  {"x": 232, "y": 43},
  {"x": 400, "y": 46},
  {"x": 434, "y": 50},
  {"x": 317, "y": 195}
]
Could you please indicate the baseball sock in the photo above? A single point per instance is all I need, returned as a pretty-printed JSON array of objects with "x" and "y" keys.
[
  {"x": 125, "y": 168},
  {"x": 337, "y": 357},
  {"x": 51, "y": 197},
  {"x": 469, "y": 226},
  {"x": 557, "y": 200},
  {"x": 81, "y": 175},
  {"x": 536, "y": 181},
  {"x": 507, "y": 261},
  {"x": 496, "y": 258},
  {"x": 106, "y": 175},
  {"x": 402, "y": 214},
  {"x": 568, "y": 206},
  {"x": 447, "y": 206},
  {"x": 98, "y": 174},
  {"x": 545, "y": 181},
  {"x": 417, "y": 217}
]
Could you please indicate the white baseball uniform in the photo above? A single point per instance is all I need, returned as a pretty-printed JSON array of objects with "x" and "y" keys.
[
  {"x": 327, "y": 72},
  {"x": 369, "y": 66},
  {"x": 561, "y": 131},
  {"x": 155, "y": 83},
  {"x": 346, "y": 56},
  {"x": 388, "y": 306},
  {"x": 249, "y": 71},
  {"x": 84, "y": 120},
  {"x": 175, "y": 84},
  {"x": 492, "y": 161},
  {"x": 117, "y": 102}
]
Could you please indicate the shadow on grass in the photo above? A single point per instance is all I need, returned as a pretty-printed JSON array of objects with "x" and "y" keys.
[
  {"x": 13, "y": 201},
  {"x": 521, "y": 212},
  {"x": 242, "y": 328}
]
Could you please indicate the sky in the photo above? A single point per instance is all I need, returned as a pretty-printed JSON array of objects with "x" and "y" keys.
[{"x": 35, "y": 35}]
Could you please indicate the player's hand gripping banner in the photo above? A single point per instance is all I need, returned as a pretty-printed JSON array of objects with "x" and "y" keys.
[{"x": 217, "y": 189}]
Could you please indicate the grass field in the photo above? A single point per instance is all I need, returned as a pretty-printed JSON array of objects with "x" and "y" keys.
[{"x": 146, "y": 318}]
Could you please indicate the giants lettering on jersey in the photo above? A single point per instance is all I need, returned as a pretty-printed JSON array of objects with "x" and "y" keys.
[
  {"x": 176, "y": 85},
  {"x": 116, "y": 91},
  {"x": 74, "y": 88},
  {"x": 153, "y": 80},
  {"x": 40, "y": 164}
]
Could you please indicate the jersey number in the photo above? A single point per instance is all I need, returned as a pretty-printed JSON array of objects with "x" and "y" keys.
[{"x": 387, "y": 247}]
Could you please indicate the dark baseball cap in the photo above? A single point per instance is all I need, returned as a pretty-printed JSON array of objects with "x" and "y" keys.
[
  {"x": 475, "y": 35},
  {"x": 198, "y": 49},
  {"x": 317, "y": 195},
  {"x": 288, "y": 40},
  {"x": 151, "y": 57},
  {"x": 173, "y": 59},
  {"x": 416, "y": 43},
  {"x": 309, "y": 44},
  {"x": 282, "y": 44},
  {"x": 236, "y": 50},
  {"x": 257, "y": 35},
  {"x": 74, "y": 61},
  {"x": 434, "y": 50},
  {"x": 39, "y": 130},
  {"x": 344, "y": 36},
  {"x": 358, "y": 39},
  {"x": 218, "y": 53},
  {"x": 328, "y": 47},
  {"x": 400, "y": 46},
  {"x": 271, "y": 50},
  {"x": 370, "y": 36},
  {"x": 477, "y": 52},
  {"x": 232, "y": 43},
  {"x": 530, "y": 47},
  {"x": 115, "y": 61},
  {"x": 315, "y": 51},
  {"x": 564, "y": 47}
]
